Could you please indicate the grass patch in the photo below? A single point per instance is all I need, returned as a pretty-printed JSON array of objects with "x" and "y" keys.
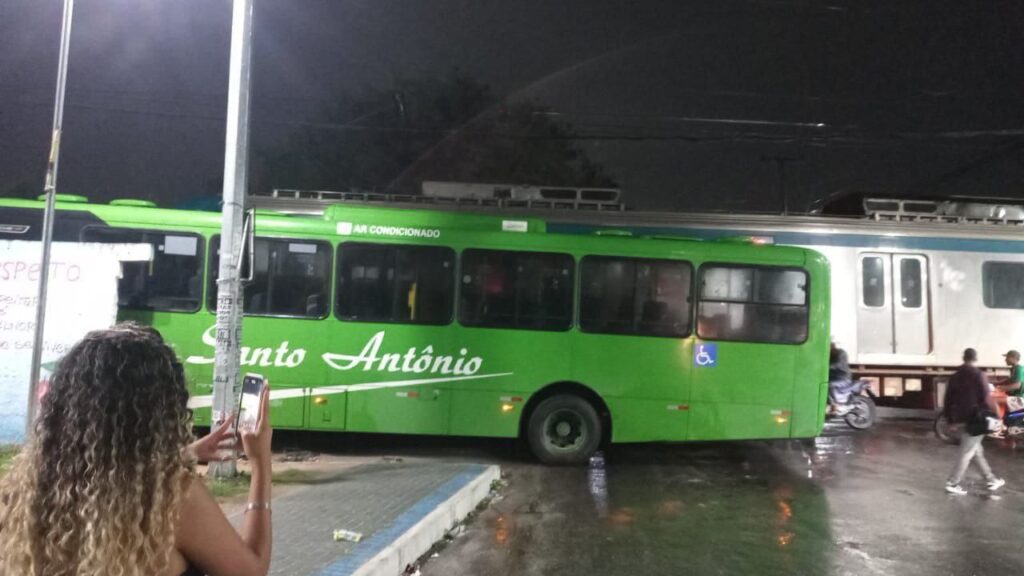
[
  {"x": 7, "y": 453},
  {"x": 292, "y": 476},
  {"x": 227, "y": 488}
]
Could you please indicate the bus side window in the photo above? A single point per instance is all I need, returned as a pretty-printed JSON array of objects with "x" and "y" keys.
[
  {"x": 753, "y": 304},
  {"x": 395, "y": 283},
  {"x": 172, "y": 282},
  {"x": 524, "y": 290},
  {"x": 291, "y": 278},
  {"x": 637, "y": 296}
]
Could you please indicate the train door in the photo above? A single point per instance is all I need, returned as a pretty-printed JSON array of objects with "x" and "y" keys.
[
  {"x": 912, "y": 333},
  {"x": 893, "y": 309}
]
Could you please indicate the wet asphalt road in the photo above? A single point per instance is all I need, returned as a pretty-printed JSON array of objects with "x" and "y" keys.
[{"x": 844, "y": 504}]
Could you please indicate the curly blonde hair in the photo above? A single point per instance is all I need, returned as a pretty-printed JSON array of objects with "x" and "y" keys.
[{"x": 97, "y": 488}]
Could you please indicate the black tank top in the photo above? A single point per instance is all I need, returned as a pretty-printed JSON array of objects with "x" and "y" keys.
[{"x": 192, "y": 571}]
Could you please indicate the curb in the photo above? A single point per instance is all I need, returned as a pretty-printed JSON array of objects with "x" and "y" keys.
[{"x": 417, "y": 540}]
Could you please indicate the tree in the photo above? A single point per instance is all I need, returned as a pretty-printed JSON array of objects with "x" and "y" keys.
[
  {"x": 448, "y": 128},
  {"x": 518, "y": 143}
]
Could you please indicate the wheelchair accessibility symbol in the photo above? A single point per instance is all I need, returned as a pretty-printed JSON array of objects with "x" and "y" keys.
[{"x": 705, "y": 355}]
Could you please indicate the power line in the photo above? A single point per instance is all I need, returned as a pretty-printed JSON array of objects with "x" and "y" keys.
[
  {"x": 163, "y": 95},
  {"x": 624, "y": 133},
  {"x": 692, "y": 119}
]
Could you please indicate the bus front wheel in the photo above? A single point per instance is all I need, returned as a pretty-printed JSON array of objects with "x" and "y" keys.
[{"x": 564, "y": 430}]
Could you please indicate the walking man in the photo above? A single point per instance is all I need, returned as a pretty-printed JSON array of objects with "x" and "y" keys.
[{"x": 968, "y": 398}]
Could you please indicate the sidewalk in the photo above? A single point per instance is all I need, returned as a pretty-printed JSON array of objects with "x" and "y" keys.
[{"x": 400, "y": 507}]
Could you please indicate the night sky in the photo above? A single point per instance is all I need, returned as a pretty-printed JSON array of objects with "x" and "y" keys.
[{"x": 683, "y": 102}]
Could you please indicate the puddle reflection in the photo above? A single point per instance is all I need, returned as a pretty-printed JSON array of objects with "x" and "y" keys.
[
  {"x": 728, "y": 511},
  {"x": 597, "y": 483}
]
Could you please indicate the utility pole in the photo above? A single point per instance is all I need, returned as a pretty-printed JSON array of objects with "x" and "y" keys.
[
  {"x": 50, "y": 189},
  {"x": 780, "y": 163},
  {"x": 229, "y": 285}
]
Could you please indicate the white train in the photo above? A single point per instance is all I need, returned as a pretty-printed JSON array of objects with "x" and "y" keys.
[{"x": 913, "y": 282}]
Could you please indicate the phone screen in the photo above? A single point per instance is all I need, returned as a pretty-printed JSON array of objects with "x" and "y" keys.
[{"x": 249, "y": 403}]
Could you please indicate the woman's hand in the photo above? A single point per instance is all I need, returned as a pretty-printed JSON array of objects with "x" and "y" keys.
[
  {"x": 220, "y": 444},
  {"x": 256, "y": 442}
]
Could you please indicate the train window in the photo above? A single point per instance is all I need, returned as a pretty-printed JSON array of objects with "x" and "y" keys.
[
  {"x": 753, "y": 304},
  {"x": 525, "y": 290},
  {"x": 172, "y": 282},
  {"x": 291, "y": 278},
  {"x": 873, "y": 281},
  {"x": 1003, "y": 284},
  {"x": 389, "y": 283},
  {"x": 635, "y": 296},
  {"x": 910, "y": 283}
]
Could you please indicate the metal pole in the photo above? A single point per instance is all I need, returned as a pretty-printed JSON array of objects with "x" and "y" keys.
[
  {"x": 229, "y": 286},
  {"x": 782, "y": 188},
  {"x": 780, "y": 163},
  {"x": 50, "y": 189}
]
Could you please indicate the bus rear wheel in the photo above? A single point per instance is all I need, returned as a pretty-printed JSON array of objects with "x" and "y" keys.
[{"x": 564, "y": 430}]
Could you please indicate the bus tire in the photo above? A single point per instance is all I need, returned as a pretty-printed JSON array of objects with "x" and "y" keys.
[{"x": 564, "y": 430}]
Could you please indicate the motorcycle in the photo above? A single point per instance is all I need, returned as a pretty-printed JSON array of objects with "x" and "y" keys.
[
  {"x": 854, "y": 403},
  {"x": 1012, "y": 428}
]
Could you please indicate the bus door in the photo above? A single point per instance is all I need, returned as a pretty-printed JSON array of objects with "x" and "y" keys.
[
  {"x": 285, "y": 305},
  {"x": 392, "y": 353},
  {"x": 893, "y": 308},
  {"x": 634, "y": 348},
  {"x": 752, "y": 325}
]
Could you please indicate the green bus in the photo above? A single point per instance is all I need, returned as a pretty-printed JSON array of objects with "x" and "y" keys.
[{"x": 379, "y": 319}]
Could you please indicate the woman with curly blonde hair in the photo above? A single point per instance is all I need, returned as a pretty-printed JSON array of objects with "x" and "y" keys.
[{"x": 106, "y": 482}]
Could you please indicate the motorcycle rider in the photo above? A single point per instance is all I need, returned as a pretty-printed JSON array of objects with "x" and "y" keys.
[
  {"x": 1013, "y": 385},
  {"x": 840, "y": 377}
]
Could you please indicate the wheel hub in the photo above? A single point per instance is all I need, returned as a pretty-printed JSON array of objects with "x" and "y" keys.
[{"x": 564, "y": 431}]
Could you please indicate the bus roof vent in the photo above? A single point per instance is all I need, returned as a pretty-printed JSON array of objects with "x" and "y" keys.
[
  {"x": 69, "y": 198},
  {"x": 135, "y": 202}
]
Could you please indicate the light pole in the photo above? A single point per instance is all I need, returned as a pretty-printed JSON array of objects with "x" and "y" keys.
[
  {"x": 780, "y": 163},
  {"x": 50, "y": 189},
  {"x": 229, "y": 286},
  {"x": 236, "y": 156}
]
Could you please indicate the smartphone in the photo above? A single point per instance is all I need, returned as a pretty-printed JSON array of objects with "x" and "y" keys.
[{"x": 249, "y": 403}]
